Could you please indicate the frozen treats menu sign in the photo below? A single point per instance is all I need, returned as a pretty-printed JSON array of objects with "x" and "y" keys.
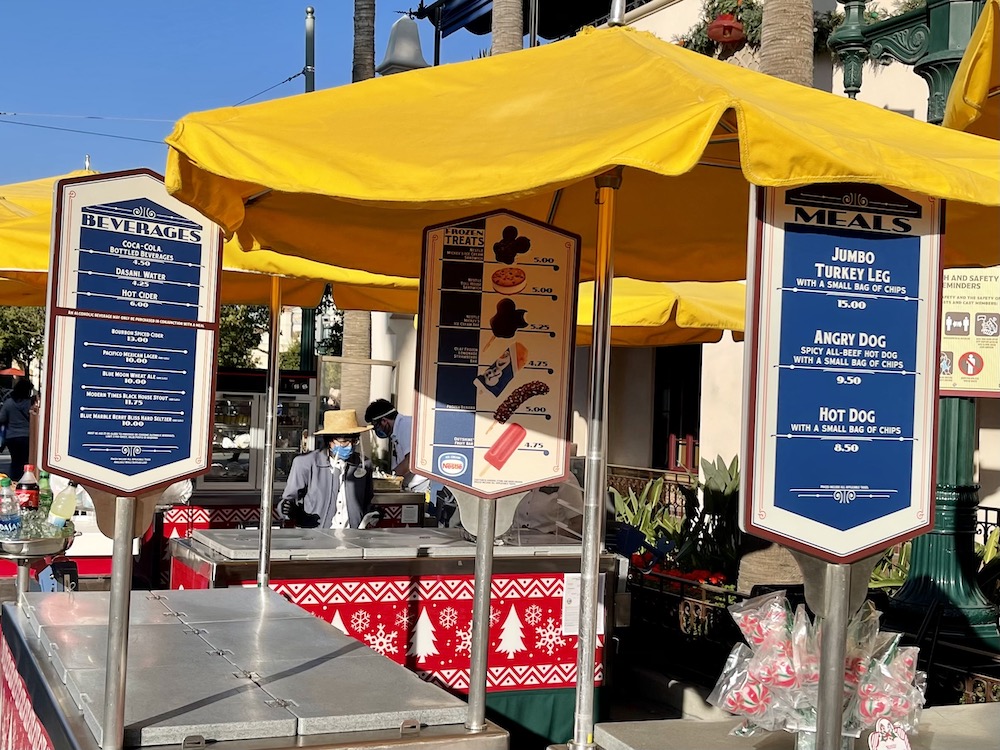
[
  {"x": 497, "y": 328},
  {"x": 970, "y": 333},
  {"x": 133, "y": 320},
  {"x": 842, "y": 368}
]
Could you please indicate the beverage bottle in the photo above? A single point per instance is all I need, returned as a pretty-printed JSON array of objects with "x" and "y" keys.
[
  {"x": 10, "y": 511},
  {"x": 44, "y": 494},
  {"x": 27, "y": 489},
  {"x": 63, "y": 506}
]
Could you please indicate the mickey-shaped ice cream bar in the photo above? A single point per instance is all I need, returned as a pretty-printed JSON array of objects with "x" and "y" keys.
[
  {"x": 508, "y": 320},
  {"x": 510, "y": 246}
]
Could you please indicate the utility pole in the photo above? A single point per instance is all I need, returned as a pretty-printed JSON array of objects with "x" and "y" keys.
[
  {"x": 307, "y": 337},
  {"x": 943, "y": 566}
]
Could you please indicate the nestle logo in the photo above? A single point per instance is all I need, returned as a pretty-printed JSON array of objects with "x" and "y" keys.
[{"x": 452, "y": 464}]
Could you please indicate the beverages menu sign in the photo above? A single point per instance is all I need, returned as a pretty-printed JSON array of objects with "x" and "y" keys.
[
  {"x": 133, "y": 323},
  {"x": 843, "y": 301},
  {"x": 497, "y": 330}
]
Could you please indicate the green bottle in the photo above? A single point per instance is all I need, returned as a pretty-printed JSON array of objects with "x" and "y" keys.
[{"x": 44, "y": 494}]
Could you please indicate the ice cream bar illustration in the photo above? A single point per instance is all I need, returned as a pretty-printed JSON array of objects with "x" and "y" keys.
[
  {"x": 519, "y": 395},
  {"x": 508, "y": 320},
  {"x": 495, "y": 378},
  {"x": 504, "y": 448}
]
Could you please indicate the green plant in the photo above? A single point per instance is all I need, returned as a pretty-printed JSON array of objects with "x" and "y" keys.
[
  {"x": 711, "y": 536},
  {"x": 891, "y": 569},
  {"x": 645, "y": 512}
]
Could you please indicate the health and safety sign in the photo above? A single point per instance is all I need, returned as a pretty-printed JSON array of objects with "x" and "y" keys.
[
  {"x": 842, "y": 362},
  {"x": 133, "y": 324}
]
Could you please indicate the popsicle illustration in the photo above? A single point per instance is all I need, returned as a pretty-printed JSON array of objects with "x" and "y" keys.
[{"x": 504, "y": 447}]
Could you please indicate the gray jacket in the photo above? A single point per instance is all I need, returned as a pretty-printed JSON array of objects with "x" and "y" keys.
[
  {"x": 313, "y": 483},
  {"x": 16, "y": 415}
]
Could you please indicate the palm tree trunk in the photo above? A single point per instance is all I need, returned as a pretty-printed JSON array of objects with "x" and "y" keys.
[
  {"x": 786, "y": 40},
  {"x": 786, "y": 51},
  {"x": 508, "y": 26},
  {"x": 355, "y": 386},
  {"x": 364, "y": 40}
]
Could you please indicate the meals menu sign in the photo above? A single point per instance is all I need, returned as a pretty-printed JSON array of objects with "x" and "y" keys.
[{"x": 497, "y": 331}]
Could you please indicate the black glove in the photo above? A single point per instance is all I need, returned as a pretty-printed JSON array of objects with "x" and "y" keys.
[
  {"x": 305, "y": 520},
  {"x": 285, "y": 507}
]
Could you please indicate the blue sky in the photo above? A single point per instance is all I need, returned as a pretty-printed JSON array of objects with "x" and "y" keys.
[{"x": 131, "y": 68}]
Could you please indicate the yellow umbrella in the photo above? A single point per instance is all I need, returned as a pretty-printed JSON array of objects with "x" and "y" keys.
[
  {"x": 645, "y": 313},
  {"x": 974, "y": 101},
  {"x": 25, "y": 248},
  {"x": 313, "y": 175},
  {"x": 21, "y": 199}
]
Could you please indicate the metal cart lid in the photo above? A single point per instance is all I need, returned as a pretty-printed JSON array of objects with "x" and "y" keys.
[
  {"x": 227, "y": 604},
  {"x": 286, "y": 544},
  {"x": 91, "y": 608}
]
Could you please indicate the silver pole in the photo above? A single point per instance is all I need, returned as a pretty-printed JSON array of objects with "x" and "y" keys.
[
  {"x": 597, "y": 467},
  {"x": 617, "y": 17},
  {"x": 270, "y": 421},
  {"x": 533, "y": 23},
  {"x": 23, "y": 577},
  {"x": 476, "y": 717},
  {"x": 310, "y": 68},
  {"x": 830, "y": 715},
  {"x": 121, "y": 587}
]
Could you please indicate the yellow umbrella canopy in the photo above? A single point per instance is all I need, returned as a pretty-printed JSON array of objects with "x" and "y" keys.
[
  {"x": 314, "y": 175},
  {"x": 974, "y": 101},
  {"x": 21, "y": 199},
  {"x": 646, "y": 313},
  {"x": 25, "y": 247}
]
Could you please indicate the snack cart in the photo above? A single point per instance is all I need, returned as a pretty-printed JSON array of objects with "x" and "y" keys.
[
  {"x": 408, "y": 593},
  {"x": 234, "y": 669}
]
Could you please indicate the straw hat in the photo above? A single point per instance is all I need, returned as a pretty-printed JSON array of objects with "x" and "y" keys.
[{"x": 341, "y": 422}]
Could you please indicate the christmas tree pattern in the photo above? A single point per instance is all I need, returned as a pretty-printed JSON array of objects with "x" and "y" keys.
[
  {"x": 511, "y": 635},
  {"x": 422, "y": 641}
]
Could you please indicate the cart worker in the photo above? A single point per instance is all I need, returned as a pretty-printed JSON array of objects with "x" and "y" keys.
[
  {"x": 389, "y": 423},
  {"x": 331, "y": 487},
  {"x": 15, "y": 414}
]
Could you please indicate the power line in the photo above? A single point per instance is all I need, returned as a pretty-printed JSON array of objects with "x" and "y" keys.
[
  {"x": 82, "y": 117},
  {"x": 82, "y": 132},
  {"x": 282, "y": 83}
]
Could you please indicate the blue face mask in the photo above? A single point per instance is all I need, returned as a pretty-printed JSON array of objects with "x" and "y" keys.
[
  {"x": 380, "y": 431},
  {"x": 343, "y": 452}
]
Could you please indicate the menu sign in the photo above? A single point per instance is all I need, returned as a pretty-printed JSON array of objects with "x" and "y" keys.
[
  {"x": 497, "y": 328},
  {"x": 970, "y": 333},
  {"x": 841, "y": 369},
  {"x": 133, "y": 321}
]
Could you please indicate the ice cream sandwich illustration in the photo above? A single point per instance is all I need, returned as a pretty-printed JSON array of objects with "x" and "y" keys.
[
  {"x": 510, "y": 245},
  {"x": 509, "y": 280}
]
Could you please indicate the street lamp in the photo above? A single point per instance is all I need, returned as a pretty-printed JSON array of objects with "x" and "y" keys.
[{"x": 943, "y": 566}]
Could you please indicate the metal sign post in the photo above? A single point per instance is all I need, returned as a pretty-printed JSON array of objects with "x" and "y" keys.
[
  {"x": 497, "y": 331},
  {"x": 133, "y": 313},
  {"x": 844, "y": 288}
]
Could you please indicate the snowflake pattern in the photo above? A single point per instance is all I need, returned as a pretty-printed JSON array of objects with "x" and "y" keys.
[
  {"x": 448, "y": 618},
  {"x": 360, "y": 621},
  {"x": 463, "y": 639},
  {"x": 403, "y": 620},
  {"x": 384, "y": 643},
  {"x": 533, "y": 614},
  {"x": 549, "y": 637},
  {"x": 494, "y": 616}
]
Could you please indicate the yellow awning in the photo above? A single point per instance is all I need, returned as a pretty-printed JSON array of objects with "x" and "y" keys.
[
  {"x": 352, "y": 175},
  {"x": 974, "y": 101},
  {"x": 21, "y": 199}
]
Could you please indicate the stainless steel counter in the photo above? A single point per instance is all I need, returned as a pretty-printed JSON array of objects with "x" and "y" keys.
[
  {"x": 241, "y": 667},
  {"x": 941, "y": 728}
]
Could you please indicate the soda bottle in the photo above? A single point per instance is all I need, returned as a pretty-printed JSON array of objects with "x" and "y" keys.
[
  {"x": 63, "y": 506},
  {"x": 44, "y": 494},
  {"x": 10, "y": 511},
  {"x": 27, "y": 489}
]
